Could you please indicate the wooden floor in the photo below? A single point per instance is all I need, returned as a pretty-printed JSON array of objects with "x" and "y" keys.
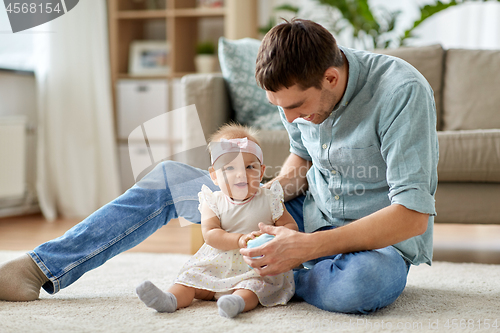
[
  {"x": 452, "y": 242},
  {"x": 467, "y": 243},
  {"x": 26, "y": 232}
]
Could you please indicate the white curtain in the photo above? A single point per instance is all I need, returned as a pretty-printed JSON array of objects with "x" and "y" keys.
[
  {"x": 472, "y": 25},
  {"x": 77, "y": 170}
]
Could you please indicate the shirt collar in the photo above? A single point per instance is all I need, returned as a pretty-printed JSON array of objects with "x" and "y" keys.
[{"x": 353, "y": 77}]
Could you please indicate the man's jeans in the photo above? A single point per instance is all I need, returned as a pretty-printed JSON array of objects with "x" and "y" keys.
[{"x": 358, "y": 282}]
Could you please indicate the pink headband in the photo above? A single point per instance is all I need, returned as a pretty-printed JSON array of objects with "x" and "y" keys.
[{"x": 235, "y": 146}]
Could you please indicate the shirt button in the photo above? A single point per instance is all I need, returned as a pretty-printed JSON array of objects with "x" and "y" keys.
[
  {"x": 337, "y": 197},
  {"x": 334, "y": 172},
  {"x": 324, "y": 146}
]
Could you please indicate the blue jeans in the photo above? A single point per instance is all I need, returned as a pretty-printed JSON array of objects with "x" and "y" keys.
[{"x": 358, "y": 282}]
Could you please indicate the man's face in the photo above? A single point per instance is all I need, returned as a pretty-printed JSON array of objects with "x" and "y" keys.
[{"x": 312, "y": 104}]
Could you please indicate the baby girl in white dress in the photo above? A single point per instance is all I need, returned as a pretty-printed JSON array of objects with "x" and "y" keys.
[{"x": 229, "y": 219}]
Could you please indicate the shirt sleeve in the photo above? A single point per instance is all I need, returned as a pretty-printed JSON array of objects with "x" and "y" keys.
[
  {"x": 410, "y": 148},
  {"x": 296, "y": 145}
]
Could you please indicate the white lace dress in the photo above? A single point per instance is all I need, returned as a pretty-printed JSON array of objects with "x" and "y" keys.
[{"x": 224, "y": 271}]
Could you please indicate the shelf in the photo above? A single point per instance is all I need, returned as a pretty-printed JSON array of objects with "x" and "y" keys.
[
  {"x": 142, "y": 77},
  {"x": 183, "y": 25},
  {"x": 142, "y": 14},
  {"x": 125, "y": 76},
  {"x": 164, "y": 13},
  {"x": 181, "y": 74},
  {"x": 198, "y": 12}
]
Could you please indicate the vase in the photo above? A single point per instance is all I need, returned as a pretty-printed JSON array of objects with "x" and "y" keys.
[{"x": 205, "y": 63}]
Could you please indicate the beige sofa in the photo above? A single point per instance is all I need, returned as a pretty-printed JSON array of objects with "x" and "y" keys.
[{"x": 466, "y": 85}]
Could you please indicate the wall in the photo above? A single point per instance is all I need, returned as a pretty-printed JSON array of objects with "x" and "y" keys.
[{"x": 18, "y": 98}]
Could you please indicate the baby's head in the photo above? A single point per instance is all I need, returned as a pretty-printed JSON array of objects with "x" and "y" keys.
[{"x": 237, "y": 161}]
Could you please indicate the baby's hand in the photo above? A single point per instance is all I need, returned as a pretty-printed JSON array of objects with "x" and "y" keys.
[{"x": 242, "y": 242}]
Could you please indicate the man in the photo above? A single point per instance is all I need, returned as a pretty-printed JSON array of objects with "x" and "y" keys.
[
  {"x": 362, "y": 125},
  {"x": 365, "y": 126}
]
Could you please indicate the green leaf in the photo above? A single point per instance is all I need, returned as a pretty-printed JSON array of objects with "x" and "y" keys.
[{"x": 287, "y": 7}]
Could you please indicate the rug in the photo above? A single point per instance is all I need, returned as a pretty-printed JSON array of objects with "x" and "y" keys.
[{"x": 447, "y": 297}]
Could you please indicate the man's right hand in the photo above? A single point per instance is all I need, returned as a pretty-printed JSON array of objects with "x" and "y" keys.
[{"x": 286, "y": 251}]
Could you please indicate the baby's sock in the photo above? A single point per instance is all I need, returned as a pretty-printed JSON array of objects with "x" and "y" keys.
[
  {"x": 230, "y": 305},
  {"x": 154, "y": 298},
  {"x": 21, "y": 280}
]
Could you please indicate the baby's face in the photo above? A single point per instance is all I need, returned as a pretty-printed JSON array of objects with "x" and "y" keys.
[{"x": 238, "y": 175}]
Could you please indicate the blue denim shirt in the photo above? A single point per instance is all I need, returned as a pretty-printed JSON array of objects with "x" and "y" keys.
[{"x": 378, "y": 147}]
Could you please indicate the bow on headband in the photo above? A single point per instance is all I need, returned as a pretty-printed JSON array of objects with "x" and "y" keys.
[
  {"x": 235, "y": 146},
  {"x": 234, "y": 143}
]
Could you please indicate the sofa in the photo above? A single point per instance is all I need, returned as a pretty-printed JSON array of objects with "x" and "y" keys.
[{"x": 466, "y": 86}]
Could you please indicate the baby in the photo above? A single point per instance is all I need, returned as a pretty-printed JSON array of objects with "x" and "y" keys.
[{"x": 229, "y": 219}]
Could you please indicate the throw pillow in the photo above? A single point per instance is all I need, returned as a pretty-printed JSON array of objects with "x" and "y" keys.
[{"x": 237, "y": 61}]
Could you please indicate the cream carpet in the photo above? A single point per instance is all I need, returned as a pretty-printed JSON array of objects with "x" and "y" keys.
[{"x": 446, "y": 297}]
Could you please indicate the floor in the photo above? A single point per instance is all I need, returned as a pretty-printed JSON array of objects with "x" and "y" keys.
[
  {"x": 452, "y": 242},
  {"x": 26, "y": 232},
  {"x": 467, "y": 243}
]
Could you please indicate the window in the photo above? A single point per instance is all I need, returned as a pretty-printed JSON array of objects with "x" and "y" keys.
[{"x": 16, "y": 50}]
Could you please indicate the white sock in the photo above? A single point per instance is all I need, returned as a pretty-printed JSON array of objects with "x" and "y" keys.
[
  {"x": 154, "y": 298},
  {"x": 230, "y": 305}
]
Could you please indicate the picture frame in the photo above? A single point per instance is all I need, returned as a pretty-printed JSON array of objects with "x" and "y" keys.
[{"x": 149, "y": 58}]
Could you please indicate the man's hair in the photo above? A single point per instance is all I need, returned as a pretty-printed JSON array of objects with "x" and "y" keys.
[
  {"x": 234, "y": 131},
  {"x": 296, "y": 52}
]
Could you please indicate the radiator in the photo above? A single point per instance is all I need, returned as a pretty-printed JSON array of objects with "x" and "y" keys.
[{"x": 12, "y": 159}]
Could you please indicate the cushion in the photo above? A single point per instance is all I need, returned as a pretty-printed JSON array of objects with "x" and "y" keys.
[
  {"x": 428, "y": 60},
  {"x": 276, "y": 148},
  {"x": 469, "y": 156},
  {"x": 249, "y": 101},
  {"x": 470, "y": 97},
  {"x": 470, "y": 203}
]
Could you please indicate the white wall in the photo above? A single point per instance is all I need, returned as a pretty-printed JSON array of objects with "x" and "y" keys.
[
  {"x": 470, "y": 25},
  {"x": 18, "y": 98}
]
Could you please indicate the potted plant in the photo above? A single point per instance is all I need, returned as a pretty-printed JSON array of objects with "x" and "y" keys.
[{"x": 205, "y": 59}]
